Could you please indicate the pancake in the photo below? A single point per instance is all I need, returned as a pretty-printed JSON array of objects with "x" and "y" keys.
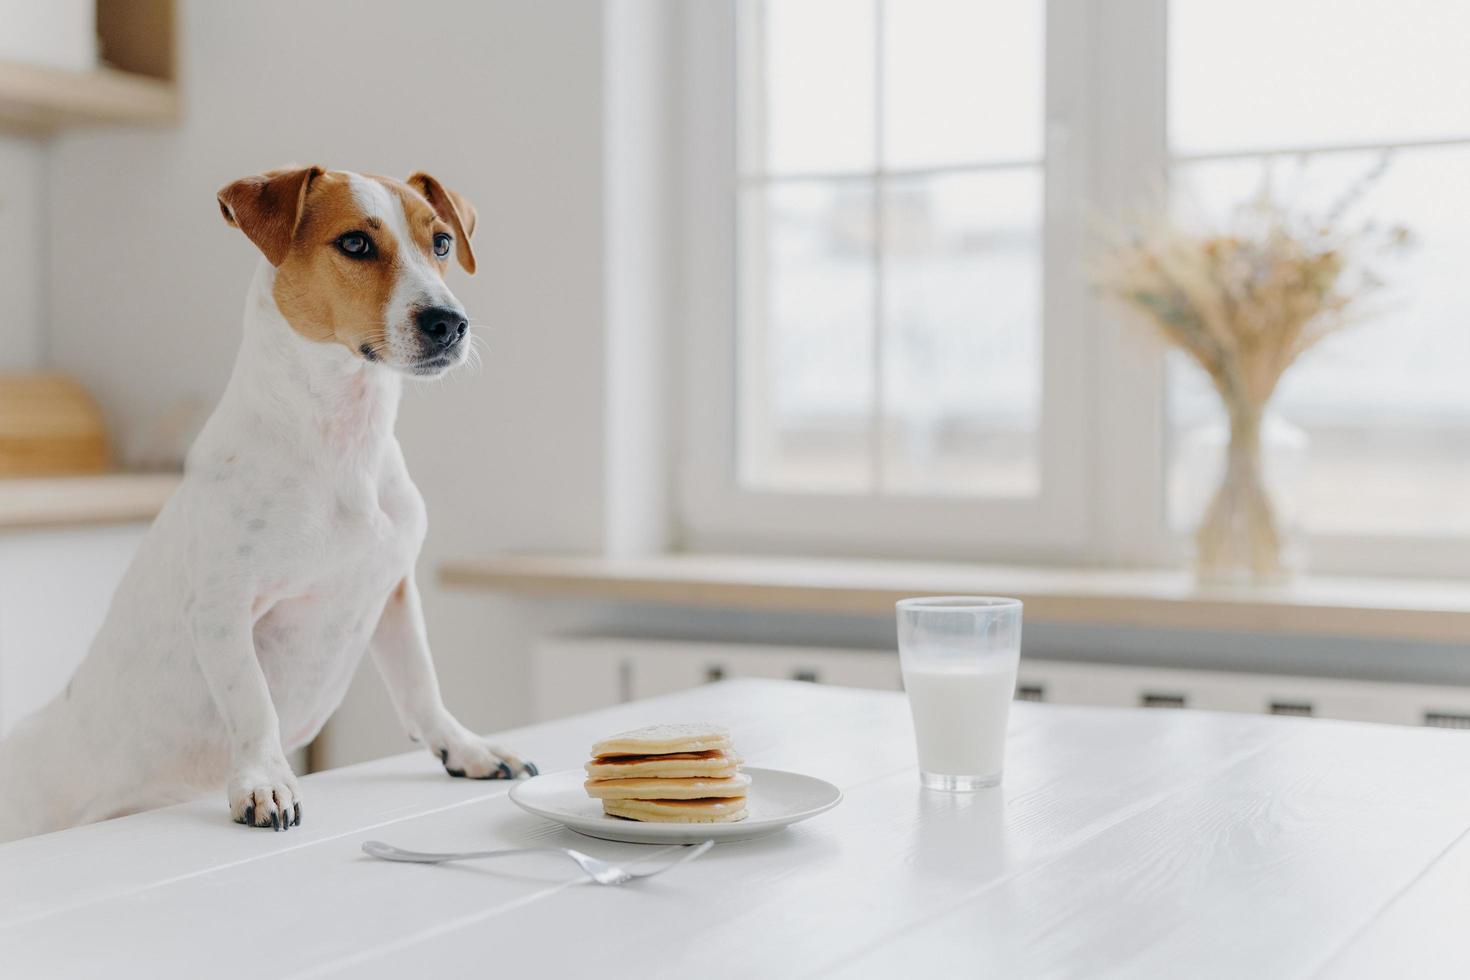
[
  {"x": 664, "y": 740},
  {"x": 710, "y": 764},
  {"x": 668, "y": 789},
  {"x": 678, "y": 811}
]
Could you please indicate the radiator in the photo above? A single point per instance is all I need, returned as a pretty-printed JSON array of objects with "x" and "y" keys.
[{"x": 579, "y": 673}]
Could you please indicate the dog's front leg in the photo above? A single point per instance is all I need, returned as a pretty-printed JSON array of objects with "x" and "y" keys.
[
  {"x": 400, "y": 648},
  {"x": 262, "y": 788}
]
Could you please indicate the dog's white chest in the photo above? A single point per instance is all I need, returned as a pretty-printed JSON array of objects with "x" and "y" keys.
[{"x": 315, "y": 622}]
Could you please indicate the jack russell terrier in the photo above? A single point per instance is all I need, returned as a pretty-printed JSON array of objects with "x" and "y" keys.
[{"x": 289, "y": 548}]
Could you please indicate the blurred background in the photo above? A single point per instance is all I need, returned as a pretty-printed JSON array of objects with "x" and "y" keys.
[{"x": 790, "y": 308}]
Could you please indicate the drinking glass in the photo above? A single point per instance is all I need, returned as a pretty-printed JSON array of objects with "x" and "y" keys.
[{"x": 959, "y": 656}]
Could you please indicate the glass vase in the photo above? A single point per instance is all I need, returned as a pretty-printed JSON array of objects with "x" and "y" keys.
[{"x": 1243, "y": 479}]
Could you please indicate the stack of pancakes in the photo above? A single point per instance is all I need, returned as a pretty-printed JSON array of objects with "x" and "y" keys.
[{"x": 669, "y": 774}]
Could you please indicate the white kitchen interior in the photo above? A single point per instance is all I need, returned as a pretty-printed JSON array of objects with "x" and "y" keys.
[
  {"x": 616, "y": 486},
  {"x": 637, "y": 488},
  {"x": 791, "y": 309}
]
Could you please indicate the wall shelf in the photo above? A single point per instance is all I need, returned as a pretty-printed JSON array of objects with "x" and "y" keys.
[
  {"x": 108, "y": 498},
  {"x": 136, "y": 83},
  {"x": 37, "y": 98}
]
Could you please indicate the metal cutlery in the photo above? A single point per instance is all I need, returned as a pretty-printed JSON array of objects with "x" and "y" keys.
[{"x": 598, "y": 870}]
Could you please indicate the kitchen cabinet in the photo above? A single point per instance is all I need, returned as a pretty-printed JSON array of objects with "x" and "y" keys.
[{"x": 55, "y": 587}]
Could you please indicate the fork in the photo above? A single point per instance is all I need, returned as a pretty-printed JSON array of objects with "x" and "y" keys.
[{"x": 600, "y": 871}]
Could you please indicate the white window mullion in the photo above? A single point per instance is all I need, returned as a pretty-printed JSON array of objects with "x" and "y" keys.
[
  {"x": 1123, "y": 147},
  {"x": 1316, "y": 149}
]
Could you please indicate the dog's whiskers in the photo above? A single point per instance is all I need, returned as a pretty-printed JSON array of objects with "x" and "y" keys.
[{"x": 473, "y": 358}]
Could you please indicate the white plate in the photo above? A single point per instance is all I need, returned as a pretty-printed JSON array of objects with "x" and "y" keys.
[{"x": 776, "y": 799}]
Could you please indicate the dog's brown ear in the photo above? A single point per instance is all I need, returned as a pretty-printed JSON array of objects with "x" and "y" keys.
[
  {"x": 454, "y": 209},
  {"x": 267, "y": 207}
]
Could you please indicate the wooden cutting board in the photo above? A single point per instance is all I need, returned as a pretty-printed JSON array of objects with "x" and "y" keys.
[{"x": 49, "y": 426}]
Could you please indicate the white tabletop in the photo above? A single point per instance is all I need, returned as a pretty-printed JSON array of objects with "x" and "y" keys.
[{"x": 1132, "y": 843}]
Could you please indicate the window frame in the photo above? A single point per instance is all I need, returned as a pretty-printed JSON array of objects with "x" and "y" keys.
[
  {"x": 1102, "y": 438},
  {"x": 715, "y": 511}
]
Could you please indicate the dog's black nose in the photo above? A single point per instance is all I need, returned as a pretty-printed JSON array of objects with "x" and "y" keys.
[{"x": 442, "y": 325}]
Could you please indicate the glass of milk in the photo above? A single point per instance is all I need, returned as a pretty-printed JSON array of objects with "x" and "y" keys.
[{"x": 959, "y": 657}]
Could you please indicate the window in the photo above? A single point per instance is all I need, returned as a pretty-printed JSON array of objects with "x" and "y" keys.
[
  {"x": 1383, "y": 98},
  {"x": 890, "y": 225},
  {"x": 892, "y": 342},
  {"x": 877, "y": 343}
]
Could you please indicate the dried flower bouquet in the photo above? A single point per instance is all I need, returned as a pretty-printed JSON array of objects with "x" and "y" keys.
[{"x": 1245, "y": 303}]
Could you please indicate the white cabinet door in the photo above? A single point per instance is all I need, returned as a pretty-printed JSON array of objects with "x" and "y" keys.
[
  {"x": 570, "y": 676},
  {"x": 665, "y": 667},
  {"x": 55, "y": 587}
]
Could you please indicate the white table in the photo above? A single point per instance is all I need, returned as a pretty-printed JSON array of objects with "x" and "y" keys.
[{"x": 1129, "y": 843}]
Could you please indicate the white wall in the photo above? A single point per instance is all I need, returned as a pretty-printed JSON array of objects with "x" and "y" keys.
[
  {"x": 503, "y": 101},
  {"x": 22, "y": 248},
  {"x": 640, "y": 273}
]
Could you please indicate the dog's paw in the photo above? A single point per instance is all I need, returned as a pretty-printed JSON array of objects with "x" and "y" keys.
[
  {"x": 265, "y": 795},
  {"x": 473, "y": 757}
]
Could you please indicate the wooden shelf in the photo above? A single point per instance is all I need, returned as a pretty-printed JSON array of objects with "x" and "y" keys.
[
  {"x": 37, "y": 98},
  {"x": 137, "y": 83},
  {"x": 111, "y": 498},
  {"x": 1390, "y": 609}
]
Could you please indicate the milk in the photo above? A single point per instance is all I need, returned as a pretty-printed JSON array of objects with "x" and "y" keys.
[{"x": 960, "y": 716}]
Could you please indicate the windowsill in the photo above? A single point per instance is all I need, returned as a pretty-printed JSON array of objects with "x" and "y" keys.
[
  {"x": 1392, "y": 609},
  {"x": 107, "y": 498}
]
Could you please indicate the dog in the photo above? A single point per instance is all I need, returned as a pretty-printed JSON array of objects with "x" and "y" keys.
[{"x": 289, "y": 548}]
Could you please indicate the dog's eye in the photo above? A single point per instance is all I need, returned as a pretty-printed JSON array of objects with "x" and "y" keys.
[
  {"x": 441, "y": 244},
  {"x": 355, "y": 245}
]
